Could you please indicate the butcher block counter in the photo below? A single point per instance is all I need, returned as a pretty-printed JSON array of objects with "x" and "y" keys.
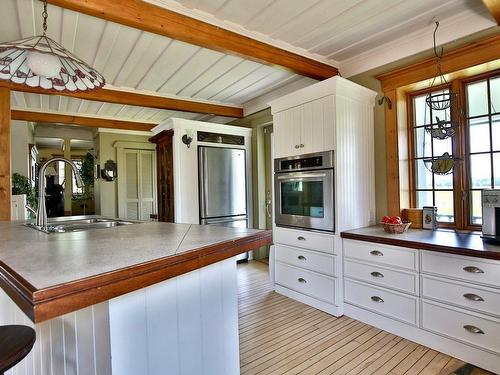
[{"x": 48, "y": 275}]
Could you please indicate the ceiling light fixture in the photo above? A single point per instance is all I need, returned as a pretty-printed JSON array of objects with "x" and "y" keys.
[{"x": 39, "y": 61}]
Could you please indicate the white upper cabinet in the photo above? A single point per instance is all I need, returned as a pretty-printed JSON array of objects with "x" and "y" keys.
[{"x": 305, "y": 129}]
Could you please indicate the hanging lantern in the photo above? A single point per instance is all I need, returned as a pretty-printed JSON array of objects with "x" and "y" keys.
[{"x": 41, "y": 62}]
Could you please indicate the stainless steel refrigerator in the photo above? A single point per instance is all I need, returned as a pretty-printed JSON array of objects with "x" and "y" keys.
[{"x": 223, "y": 190}]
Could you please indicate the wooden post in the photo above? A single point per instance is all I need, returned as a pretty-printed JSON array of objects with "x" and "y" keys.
[
  {"x": 392, "y": 154},
  {"x": 5, "y": 179}
]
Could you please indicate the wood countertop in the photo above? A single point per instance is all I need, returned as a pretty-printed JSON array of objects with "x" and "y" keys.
[
  {"x": 445, "y": 241},
  {"x": 48, "y": 275}
]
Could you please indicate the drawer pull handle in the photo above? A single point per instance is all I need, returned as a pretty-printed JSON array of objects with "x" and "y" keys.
[
  {"x": 377, "y": 253},
  {"x": 473, "y": 329},
  {"x": 301, "y": 145},
  {"x": 300, "y": 238},
  {"x": 296, "y": 146},
  {"x": 377, "y": 274},
  {"x": 473, "y": 269},
  {"x": 301, "y": 280},
  {"x": 377, "y": 299},
  {"x": 474, "y": 297},
  {"x": 301, "y": 257}
]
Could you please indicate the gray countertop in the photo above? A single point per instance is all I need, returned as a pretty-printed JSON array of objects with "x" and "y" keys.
[
  {"x": 45, "y": 260},
  {"x": 449, "y": 241}
]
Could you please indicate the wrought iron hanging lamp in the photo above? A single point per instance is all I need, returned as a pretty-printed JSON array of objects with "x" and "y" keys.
[{"x": 39, "y": 61}]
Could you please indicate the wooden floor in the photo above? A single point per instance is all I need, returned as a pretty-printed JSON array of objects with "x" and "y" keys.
[{"x": 281, "y": 336}]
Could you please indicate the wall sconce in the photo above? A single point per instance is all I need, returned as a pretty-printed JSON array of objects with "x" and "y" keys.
[
  {"x": 109, "y": 171},
  {"x": 188, "y": 138}
]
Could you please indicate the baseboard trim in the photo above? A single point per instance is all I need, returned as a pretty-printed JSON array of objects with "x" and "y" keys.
[{"x": 320, "y": 305}]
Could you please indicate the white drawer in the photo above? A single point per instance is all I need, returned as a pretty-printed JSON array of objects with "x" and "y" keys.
[
  {"x": 395, "y": 305},
  {"x": 305, "y": 239},
  {"x": 481, "y": 271},
  {"x": 482, "y": 299},
  {"x": 382, "y": 254},
  {"x": 470, "y": 328},
  {"x": 311, "y": 260},
  {"x": 403, "y": 281},
  {"x": 306, "y": 282}
]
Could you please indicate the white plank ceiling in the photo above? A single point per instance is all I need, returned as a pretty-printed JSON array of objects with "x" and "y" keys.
[
  {"x": 332, "y": 31},
  {"x": 133, "y": 59}
]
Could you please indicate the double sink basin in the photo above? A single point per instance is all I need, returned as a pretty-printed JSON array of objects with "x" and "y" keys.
[{"x": 79, "y": 223}]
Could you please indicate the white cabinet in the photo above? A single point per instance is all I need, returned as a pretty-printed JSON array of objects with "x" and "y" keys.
[
  {"x": 448, "y": 302},
  {"x": 305, "y": 129}
]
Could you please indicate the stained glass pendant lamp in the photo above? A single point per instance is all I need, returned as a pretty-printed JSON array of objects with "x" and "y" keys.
[{"x": 41, "y": 62}]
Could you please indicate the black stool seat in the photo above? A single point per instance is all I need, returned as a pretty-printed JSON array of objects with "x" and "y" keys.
[{"x": 15, "y": 344}]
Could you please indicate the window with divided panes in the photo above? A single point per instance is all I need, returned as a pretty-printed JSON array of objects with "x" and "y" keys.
[{"x": 478, "y": 161}]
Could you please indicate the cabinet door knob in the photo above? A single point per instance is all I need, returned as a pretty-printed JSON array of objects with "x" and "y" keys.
[
  {"x": 377, "y": 299},
  {"x": 301, "y": 257},
  {"x": 301, "y": 145},
  {"x": 473, "y": 329},
  {"x": 472, "y": 269},
  {"x": 474, "y": 297},
  {"x": 300, "y": 238},
  {"x": 377, "y": 253},
  {"x": 377, "y": 274},
  {"x": 296, "y": 146},
  {"x": 301, "y": 280}
]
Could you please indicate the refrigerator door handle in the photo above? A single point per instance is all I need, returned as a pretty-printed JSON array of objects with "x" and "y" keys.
[{"x": 203, "y": 183}]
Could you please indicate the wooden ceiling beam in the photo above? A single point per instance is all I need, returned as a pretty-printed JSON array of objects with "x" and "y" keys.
[
  {"x": 93, "y": 122},
  {"x": 137, "y": 99},
  {"x": 494, "y": 8},
  {"x": 154, "y": 19}
]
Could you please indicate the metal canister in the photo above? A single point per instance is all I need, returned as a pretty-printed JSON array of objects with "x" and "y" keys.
[{"x": 429, "y": 217}]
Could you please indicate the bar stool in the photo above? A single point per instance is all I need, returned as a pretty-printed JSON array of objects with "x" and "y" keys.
[{"x": 15, "y": 344}]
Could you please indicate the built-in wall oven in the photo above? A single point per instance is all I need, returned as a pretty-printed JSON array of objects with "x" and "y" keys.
[{"x": 304, "y": 191}]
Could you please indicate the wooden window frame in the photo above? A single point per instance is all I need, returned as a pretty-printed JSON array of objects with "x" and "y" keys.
[{"x": 460, "y": 148}]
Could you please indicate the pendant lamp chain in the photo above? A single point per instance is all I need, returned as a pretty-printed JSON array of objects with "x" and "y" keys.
[{"x": 45, "y": 15}]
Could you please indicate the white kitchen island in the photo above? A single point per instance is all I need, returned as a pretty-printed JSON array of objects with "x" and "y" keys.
[{"x": 150, "y": 298}]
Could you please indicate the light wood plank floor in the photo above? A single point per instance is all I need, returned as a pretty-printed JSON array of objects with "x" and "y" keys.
[{"x": 281, "y": 336}]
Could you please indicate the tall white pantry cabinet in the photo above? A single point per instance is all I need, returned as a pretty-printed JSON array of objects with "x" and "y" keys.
[{"x": 335, "y": 114}]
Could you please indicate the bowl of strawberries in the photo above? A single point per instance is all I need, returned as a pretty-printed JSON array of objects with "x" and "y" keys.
[{"x": 394, "y": 224}]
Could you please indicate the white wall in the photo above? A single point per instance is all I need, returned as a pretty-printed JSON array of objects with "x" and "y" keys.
[
  {"x": 21, "y": 137},
  {"x": 186, "y": 193}
]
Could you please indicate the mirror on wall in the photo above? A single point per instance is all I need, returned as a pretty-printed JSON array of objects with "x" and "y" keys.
[{"x": 90, "y": 149}]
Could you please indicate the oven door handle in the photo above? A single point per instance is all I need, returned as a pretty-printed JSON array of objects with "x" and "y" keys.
[{"x": 302, "y": 176}]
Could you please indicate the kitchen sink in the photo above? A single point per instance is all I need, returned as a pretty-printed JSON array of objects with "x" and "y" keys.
[{"x": 77, "y": 224}]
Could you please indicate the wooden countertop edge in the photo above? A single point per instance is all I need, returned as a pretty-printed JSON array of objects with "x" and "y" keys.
[
  {"x": 423, "y": 245},
  {"x": 45, "y": 304}
]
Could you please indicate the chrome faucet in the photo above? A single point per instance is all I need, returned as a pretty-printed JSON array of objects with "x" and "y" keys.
[{"x": 41, "y": 215}]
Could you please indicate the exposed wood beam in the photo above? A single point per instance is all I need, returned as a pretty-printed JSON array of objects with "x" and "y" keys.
[
  {"x": 5, "y": 171},
  {"x": 494, "y": 8},
  {"x": 137, "y": 99},
  {"x": 148, "y": 17},
  {"x": 94, "y": 122}
]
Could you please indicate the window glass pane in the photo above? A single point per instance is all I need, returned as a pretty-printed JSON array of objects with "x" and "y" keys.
[
  {"x": 424, "y": 198},
  {"x": 495, "y": 130},
  {"x": 444, "y": 203},
  {"x": 421, "y": 111},
  {"x": 476, "y": 208},
  {"x": 480, "y": 170},
  {"x": 443, "y": 181},
  {"x": 422, "y": 143},
  {"x": 479, "y": 134},
  {"x": 424, "y": 176},
  {"x": 496, "y": 170},
  {"x": 495, "y": 95},
  {"x": 442, "y": 146},
  {"x": 477, "y": 99}
]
